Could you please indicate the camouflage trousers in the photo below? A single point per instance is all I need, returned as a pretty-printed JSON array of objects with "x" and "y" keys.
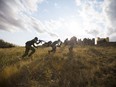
[
  {"x": 71, "y": 47},
  {"x": 27, "y": 49},
  {"x": 53, "y": 49}
]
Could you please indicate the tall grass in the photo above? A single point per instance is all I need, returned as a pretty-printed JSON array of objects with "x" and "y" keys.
[{"x": 87, "y": 66}]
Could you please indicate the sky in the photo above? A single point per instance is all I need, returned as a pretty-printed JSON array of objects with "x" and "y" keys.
[{"x": 22, "y": 20}]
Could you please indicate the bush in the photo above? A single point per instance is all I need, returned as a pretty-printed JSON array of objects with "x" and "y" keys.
[{"x": 4, "y": 44}]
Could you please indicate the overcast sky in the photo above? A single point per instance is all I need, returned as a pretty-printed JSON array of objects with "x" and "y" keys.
[{"x": 22, "y": 20}]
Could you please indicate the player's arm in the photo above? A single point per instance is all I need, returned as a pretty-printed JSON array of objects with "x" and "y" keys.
[
  {"x": 34, "y": 45},
  {"x": 39, "y": 41},
  {"x": 59, "y": 44}
]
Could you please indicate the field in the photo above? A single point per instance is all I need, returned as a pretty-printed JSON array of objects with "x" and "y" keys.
[{"x": 86, "y": 66}]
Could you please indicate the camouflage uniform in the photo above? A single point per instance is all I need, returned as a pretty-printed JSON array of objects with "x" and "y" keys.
[
  {"x": 66, "y": 42},
  {"x": 54, "y": 45},
  {"x": 47, "y": 44},
  {"x": 29, "y": 45},
  {"x": 72, "y": 43}
]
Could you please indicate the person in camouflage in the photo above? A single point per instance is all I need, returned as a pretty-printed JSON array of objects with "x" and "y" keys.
[
  {"x": 55, "y": 44},
  {"x": 66, "y": 42},
  {"x": 47, "y": 44},
  {"x": 72, "y": 43},
  {"x": 30, "y": 45}
]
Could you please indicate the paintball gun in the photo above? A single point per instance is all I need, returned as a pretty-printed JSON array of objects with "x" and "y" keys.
[{"x": 40, "y": 41}]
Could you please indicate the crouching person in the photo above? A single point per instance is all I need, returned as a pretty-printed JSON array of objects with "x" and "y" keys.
[
  {"x": 54, "y": 45},
  {"x": 30, "y": 45}
]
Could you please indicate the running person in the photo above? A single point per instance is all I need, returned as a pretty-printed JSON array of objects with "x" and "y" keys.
[
  {"x": 72, "y": 43},
  {"x": 30, "y": 45},
  {"x": 54, "y": 45}
]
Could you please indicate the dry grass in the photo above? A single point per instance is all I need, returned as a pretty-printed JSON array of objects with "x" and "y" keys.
[{"x": 87, "y": 66}]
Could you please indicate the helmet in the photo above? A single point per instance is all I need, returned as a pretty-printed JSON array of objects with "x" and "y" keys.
[{"x": 36, "y": 38}]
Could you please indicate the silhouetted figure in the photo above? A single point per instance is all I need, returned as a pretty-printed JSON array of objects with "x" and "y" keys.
[
  {"x": 66, "y": 42},
  {"x": 47, "y": 44},
  {"x": 29, "y": 45},
  {"x": 72, "y": 43},
  {"x": 54, "y": 45}
]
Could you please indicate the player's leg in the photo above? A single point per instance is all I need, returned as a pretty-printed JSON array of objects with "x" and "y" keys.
[
  {"x": 32, "y": 51},
  {"x": 26, "y": 51}
]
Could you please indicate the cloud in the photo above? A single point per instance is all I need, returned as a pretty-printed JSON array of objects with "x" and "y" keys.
[
  {"x": 91, "y": 15},
  {"x": 32, "y": 5},
  {"x": 78, "y": 2},
  {"x": 98, "y": 16},
  {"x": 52, "y": 34},
  {"x": 93, "y": 32},
  {"x": 9, "y": 14},
  {"x": 110, "y": 14},
  {"x": 17, "y": 15},
  {"x": 113, "y": 37},
  {"x": 42, "y": 27}
]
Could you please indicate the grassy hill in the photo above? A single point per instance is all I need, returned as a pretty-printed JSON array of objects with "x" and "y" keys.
[{"x": 87, "y": 66}]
